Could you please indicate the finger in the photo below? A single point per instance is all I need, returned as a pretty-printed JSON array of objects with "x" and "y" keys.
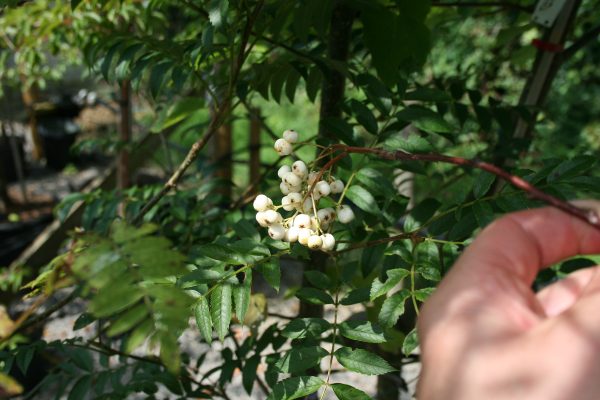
[
  {"x": 561, "y": 295},
  {"x": 493, "y": 277},
  {"x": 522, "y": 243}
]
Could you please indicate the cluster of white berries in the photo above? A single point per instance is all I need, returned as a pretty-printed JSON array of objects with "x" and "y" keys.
[{"x": 308, "y": 225}]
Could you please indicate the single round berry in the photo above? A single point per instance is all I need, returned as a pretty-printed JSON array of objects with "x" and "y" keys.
[
  {"x": 325, "y": 215},
  {"x": 291, "y": 235},
  {"x": 286, "y": 203},
  {"x": 283, "y": 170},
  {"x": 273, "y": 217},
  {"x": 277, "y": 231},
  {"x": 328, "y": 242},
  {"x": 295, "y": 199},
  {"x": 283, "y": 147},
  {"x": 337, "y": 186},
  {"x": 261, "y": 219},
  {"x": 345, "y": 214},
  {"x": 315, "y": 242},
  {"x": 303, "y": 235},
  {"x": 290, "y": 135},
  {"x": 262, "y": 203},
  {"x": 302, "y": 221},
  {"x": 299, "y": 168},
  {"x": 291, "y": 179},
  {"x": 323, "y": 188},
  {"x": 285, "y": 189}
]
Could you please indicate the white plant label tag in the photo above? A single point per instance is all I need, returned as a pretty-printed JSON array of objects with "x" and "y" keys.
[{"x": 547, "y": 11}]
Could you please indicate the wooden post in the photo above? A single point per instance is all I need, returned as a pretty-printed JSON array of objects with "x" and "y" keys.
[{"x": 545, "y": 67}]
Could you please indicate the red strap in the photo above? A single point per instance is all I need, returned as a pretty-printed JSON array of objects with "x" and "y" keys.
[{"x": 547, "y": 46}]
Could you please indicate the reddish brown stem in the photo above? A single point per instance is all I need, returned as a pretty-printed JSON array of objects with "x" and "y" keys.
[
  {"x": 328, "y": 165},
  {"x": 589, "y": 216}
]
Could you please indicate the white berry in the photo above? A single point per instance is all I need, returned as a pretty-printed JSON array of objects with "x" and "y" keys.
[
  {"x": 315, "y": 242},
  {"x": 295, "y": 199},
  {"x": 303, "y": 235},
  {"x": 283, "y": 170},
  {"x": 345, "y": 214},
  {"x": 277, "y": 232},
  {"x": 328, "y": 242},
  {"x": 290, "y": 135},
  {"x": 325, "y": 215},
  {"x": 272, "y": 217},
  {"x": 337, "y": 186},
  {"x": 262, "y": 202},
  {"x": 292, "y": 179},
  {"x": 261, "y": 219},
  {"x": 291, "y": 235},
  {"x": 283, "y": 147},
  {"x": 299, "y": 168},
  {"x": 302, "y": 221},
  {"x": 286, "y": 203},
  {"x": 323, "y": 188},
  {"x": 285, "y": 189},
  {"x": 312, "y": 177}
]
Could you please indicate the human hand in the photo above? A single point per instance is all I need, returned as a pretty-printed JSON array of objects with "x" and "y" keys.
[{"x": 486, "y": 335}]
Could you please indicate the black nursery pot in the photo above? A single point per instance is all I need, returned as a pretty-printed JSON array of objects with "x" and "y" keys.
[{"x": 58, "y": 135}]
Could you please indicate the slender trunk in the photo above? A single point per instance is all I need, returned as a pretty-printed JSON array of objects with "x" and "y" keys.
[
  {"x": 255, "y": 128},
  {"x": 4, "y": 197},
  {"x": 222, "y": 159},
  {"x": 123, "y": 170},
  {"x": 30, "y": 97},
  {"x": 332, "y": 98}
]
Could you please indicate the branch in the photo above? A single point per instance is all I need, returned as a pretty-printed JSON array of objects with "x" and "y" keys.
[
  {"x": 580, "y": 43},
  {"x": 215, "y": 123},
  {"x": 501, "y": 4},
  {"x": 586, "y": 215}
]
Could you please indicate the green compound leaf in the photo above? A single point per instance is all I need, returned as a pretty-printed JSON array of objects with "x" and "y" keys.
[
  {"x": 411, "y": 342},
  {"x": 363, "y": 199},
  {"x": 295, "y": 388},
  {"x": 300, "y": 359},
  {"x": 394, "y": 276},
  {"x": 362, "y": 361},
  {"x": 220, "y": 304},
  {"x": 241, "y": 297},
  {"x": 203, "y": 320},
  {"x": 271, "y": 272},
  {"x": 314, "y": 296},
  {"x": 347, "y": 392},
  {"x": 393, "y": 308},
  {"x": 305, "y": 327},
  {"x": 362, "y": 331}
]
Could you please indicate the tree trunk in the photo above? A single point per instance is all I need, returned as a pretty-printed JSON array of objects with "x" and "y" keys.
[
  {"x": 255, "y": 128},
  {"x": 123, "y": 170},
  {"x": 332, "y": 98},
  {"x": 30, "y": 97},
  {"x": 222, "y": 160}
]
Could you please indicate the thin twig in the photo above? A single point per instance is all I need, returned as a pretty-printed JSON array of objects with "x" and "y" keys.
[
  {"x": 501, "y": 4},
  {"x": 218, "y": 119}
]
